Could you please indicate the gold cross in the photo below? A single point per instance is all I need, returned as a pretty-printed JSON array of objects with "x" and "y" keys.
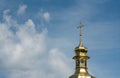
[{"x": 80, "y": 27}]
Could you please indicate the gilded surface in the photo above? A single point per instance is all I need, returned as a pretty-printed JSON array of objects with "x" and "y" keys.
[{"x": 81, "y": 59}]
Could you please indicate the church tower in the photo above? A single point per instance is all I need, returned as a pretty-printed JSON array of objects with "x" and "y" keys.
[{"x": 81, "y": 58}]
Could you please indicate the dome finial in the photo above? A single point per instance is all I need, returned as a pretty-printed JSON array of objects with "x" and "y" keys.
[
  {"x": 80, "y": 27},
  {"x": 81, "y": 58}
]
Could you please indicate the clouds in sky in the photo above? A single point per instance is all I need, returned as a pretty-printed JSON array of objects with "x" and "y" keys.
[
  {"x": 37, "y": 38},
  {"x": 24, "y": 53},
  {"x": 21, "y": 10},
  {"x": 46, "y": 16}
]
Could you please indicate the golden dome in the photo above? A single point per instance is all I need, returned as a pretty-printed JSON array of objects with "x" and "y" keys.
[
  {"x": 81, "y": 58},
  {"x": 81, "y": 48}
]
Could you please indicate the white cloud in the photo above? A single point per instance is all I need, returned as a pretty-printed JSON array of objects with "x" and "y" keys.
[
  {"x": 43, "y": 15},
  {"x": 6, "y": 17},
  {"x": 57, "y": 63},
  {"x": 22, "y": 9},
  {"x": 24, "y": 53},
  {"x": 46, "y": 16}
]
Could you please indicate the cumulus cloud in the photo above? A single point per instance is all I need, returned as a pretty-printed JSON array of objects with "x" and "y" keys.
[
  {"x": 22, "y": 9},
  {"x": 58, "y": 64},
  {"x": 46, "y": 16},
  {"x": 24, "y": 53}
]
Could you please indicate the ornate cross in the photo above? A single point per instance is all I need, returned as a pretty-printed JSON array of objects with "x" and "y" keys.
[{"x": 80, "y": 27}]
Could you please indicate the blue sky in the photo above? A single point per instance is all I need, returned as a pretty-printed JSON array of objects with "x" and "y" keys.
[{"x": 38, "y": 37}]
